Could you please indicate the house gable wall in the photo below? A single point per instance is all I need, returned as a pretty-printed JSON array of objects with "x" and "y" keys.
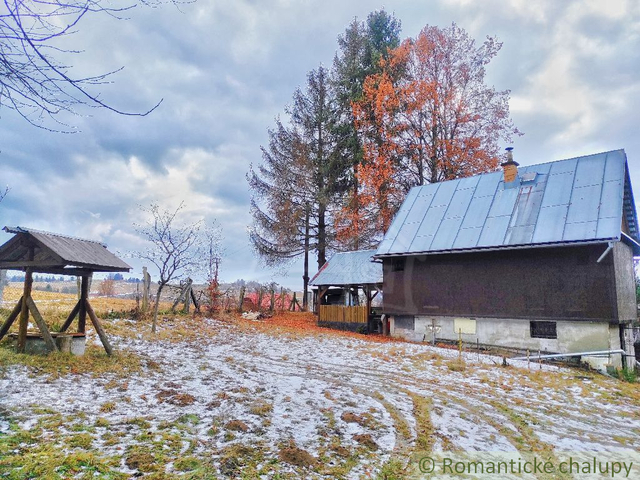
[{"x": 536, "y": 283}]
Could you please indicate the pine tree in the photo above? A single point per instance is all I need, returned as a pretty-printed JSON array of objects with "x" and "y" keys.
[{"x": 294, "y": 189}]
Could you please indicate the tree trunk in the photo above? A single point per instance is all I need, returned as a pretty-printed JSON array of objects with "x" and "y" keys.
[
  {"x": 322, "y": 235},
  {"x": 305, "y": 275},
  {"x": 154, "y": 324}
]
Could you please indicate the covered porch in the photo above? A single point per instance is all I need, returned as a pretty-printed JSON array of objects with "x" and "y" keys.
[{"x": 344, "y": 291}]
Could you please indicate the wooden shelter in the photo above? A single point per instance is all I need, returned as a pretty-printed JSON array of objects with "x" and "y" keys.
[
  {"x": 34, "y": 251},
  {"x": 337, "y": 290}
]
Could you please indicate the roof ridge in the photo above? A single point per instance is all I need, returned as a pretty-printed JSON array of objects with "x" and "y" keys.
[
  {"x": 572, "y": 158},
  {"x": 18, "y": 229},
  {"x": 525, "y": 166}
]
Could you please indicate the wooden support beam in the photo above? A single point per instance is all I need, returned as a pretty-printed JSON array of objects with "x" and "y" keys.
[
  {"x": 10, "y": 319},
  {"x": 67, "y": 323},
  {"x": 196, "y": 304},
  {"x": 24, "y": 310},
  {"x": 29, "y": 264},
  {"x": 42, "y": 326},
  {"x": 98, "y": 326},
  {"x": 84, "y": 297},
  {"x": 321, "y": 293}
]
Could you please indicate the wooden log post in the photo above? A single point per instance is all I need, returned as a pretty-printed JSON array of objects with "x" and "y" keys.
[
  {"x": 42, "y": 326},
  {"x": 98, "y": 327},
  {"x": 371, "y": 325},
  {"x": 187, "y": 296},
  {"x": 24, "y": 309},
  {"x": 321, "y": 293},
  {"x": 272, "y": 304},
  {"x": 195, "y": 301},
  {"x": 146, "y": 281},
  {"x": 10, "y": 319},
  {"x": 281, "y": 299},
  {"x": 3, "y": 283},
  {"x": 292, "y": 305},
  {"x": 260, "y": 295},
  {"x": 82, "y": 312},
  {"x": 241, "y": 299},
  {"x": 67, "y": 323}
]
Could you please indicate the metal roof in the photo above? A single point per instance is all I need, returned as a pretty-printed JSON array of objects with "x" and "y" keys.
[
  {"x": 54, "y": 252},
  {"x": 567, "y": 201},
  {"x": 349, "y": 268}
]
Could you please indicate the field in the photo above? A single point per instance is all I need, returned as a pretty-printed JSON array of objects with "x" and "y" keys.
[{"x": 283, "y": 399}]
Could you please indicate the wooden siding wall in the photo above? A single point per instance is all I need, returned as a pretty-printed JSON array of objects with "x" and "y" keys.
[
  {"x": 539, "y": 283},
  {"x": 343, "y": 314}
]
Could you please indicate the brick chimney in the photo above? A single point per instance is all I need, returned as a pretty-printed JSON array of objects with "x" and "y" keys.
[{"x": 510, "y": 168}]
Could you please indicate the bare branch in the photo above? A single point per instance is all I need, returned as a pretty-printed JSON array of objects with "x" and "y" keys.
[
  {"x": 174, "y": 249},
  {"x": 33, "y": 80}
]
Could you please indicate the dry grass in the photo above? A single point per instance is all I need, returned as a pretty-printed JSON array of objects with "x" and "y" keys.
[
  {"x": 58, "y": 305},
  {"x": 94, "y": 362}
]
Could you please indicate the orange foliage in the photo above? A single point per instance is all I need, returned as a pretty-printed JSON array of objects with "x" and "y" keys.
[
  {"x": 305, "y": 323},
  {"x": 427, "y": 117}
]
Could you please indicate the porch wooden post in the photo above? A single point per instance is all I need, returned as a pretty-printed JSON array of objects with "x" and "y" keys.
[
  {"x": 24, "y": 309},
  {"x": 367, "y": 292},
  {"x": 82, "y": 313}
]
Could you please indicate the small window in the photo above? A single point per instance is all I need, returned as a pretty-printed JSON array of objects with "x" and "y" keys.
[
  {"x": 397, "y": 264},
  {"x": 405, "y": 322},
  {"x": 543, "y": 330}
]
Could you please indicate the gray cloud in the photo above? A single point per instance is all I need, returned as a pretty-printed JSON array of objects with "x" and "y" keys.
[{"x": 226, "y": 69}]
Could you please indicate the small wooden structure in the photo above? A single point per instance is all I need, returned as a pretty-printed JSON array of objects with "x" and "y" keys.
[
  {"x": 337, "y": 288},
  {"x": 34, "y": 251}
]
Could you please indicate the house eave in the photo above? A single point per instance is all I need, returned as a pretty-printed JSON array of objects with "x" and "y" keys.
[{"x": 634, "y": 244}]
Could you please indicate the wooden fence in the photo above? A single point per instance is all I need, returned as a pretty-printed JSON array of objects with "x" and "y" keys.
[{"x": 343, "y": 314}]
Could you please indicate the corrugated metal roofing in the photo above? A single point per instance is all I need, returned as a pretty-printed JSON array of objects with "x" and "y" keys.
[
  {"x": 575, "y": 200},
  {"x": 66, "y": 251},
  {"x": 349, "y": 268}
]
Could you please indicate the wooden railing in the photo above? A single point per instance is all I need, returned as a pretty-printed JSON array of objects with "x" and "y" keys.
[{"x": 343, "y": 314}]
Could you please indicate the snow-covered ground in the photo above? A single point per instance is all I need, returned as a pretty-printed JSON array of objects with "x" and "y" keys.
[{"x": 352, "y": 404}]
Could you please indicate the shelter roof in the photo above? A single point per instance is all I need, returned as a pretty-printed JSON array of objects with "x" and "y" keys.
[{"x": 58, "y": 254}]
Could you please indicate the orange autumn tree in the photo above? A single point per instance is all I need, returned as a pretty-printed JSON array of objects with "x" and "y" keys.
[{"x": 428, "y": 116}]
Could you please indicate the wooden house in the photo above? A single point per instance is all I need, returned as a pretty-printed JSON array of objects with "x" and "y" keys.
[{"x": 536, "y": 258}]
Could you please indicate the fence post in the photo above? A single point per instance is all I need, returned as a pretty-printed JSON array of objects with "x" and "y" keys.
[
  {"x": 146, "y": 283},
  {"x": 241, "y": 300}
]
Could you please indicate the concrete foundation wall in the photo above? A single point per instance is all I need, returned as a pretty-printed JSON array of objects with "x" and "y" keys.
[{"x": 573, "y": 336}]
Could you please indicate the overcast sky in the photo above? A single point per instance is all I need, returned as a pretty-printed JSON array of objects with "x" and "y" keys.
[{"x": 225, "y": 69}]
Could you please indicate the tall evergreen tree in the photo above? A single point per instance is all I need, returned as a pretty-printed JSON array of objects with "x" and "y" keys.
[
  {"x": 294, "y": 189},
  {"x": 361, "y": 48}
]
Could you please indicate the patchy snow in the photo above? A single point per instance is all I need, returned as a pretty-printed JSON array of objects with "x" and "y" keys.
[{"x": 282, "y": 388}]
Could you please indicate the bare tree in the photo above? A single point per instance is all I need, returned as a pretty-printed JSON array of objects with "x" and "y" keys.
[
  {"x": 213, "y": 255},
  {"x": 34, "y": 80},
  {"x": 174, "y": 249}
]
